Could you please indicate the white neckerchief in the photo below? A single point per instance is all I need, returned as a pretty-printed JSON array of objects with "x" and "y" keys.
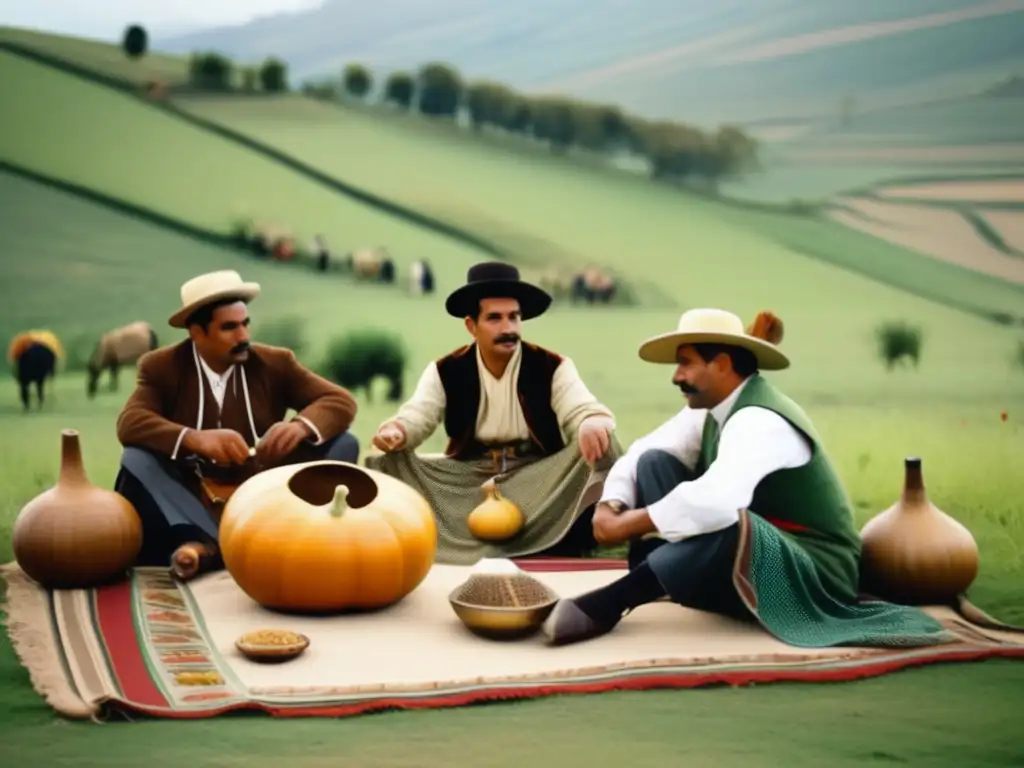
[{"x": 200, "y": 365}]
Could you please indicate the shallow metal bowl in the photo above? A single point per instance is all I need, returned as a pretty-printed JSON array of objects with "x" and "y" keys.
[{"x": 503, "y": 623}]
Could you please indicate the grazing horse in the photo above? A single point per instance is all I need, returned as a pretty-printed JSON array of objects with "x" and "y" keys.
[
  {"x": 592, "y": 285},
  {"x": 372, "y": 264},
  {"x": 118, "y": 347},
  {"x": 34, "y": 355}
]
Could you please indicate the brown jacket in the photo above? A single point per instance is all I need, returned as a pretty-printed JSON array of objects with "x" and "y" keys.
[{"x": 166, "y": 398}]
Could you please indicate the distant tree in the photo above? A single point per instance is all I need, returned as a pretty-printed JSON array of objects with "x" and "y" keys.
[
  {"x": 554, "y": 121},
  {"x": 357, "y": 80},
  {"x": 135, "y": 41},
  {"x": 274, "y": 75},
  {"x": 399, "y": 89},
  {"x": 320, "y": 90},
  {"x": 440, "y": 90},
  {"x": 487, "y": 103},
  {"x": 209, "y": 71}
]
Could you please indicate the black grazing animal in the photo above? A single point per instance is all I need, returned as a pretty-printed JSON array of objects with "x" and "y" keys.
[{"x": 34, "y": 366}]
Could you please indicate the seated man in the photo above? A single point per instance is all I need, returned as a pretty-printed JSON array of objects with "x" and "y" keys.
[
  {"x": 209, "y": 412},
  {"x": 733, "y": 506},
  {"x": 513, "y": 411}
]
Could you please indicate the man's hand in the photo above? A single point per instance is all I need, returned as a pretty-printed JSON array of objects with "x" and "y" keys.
[
  {"x": 280, "y": 440},
  {"x": 221, "y": 446},
  {"x": 613, "y": 527},
  {"x": 390, "y": 437},
  {"x": 593, "y": 439}
]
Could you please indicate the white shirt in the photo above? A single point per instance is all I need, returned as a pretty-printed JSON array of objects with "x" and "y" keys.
[
  {"x": 218, "y": 381},
  {"x": 754, "y": 443},
  {"x": 500, "y": 417}
]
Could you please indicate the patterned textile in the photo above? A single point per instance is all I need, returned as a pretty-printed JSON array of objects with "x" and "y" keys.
[
  {"x": 551, "y": 491},
  {"x": 779, "y": 583},
  {"x": 154, "y": 646}
]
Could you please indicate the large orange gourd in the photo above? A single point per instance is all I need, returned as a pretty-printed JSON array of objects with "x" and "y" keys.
[
  {"x": 76, "y": 535},
  {"x": 327, "y": 536},
  {"x": 915, "y": 553}
]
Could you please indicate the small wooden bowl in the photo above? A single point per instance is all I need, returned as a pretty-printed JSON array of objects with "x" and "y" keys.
[{"x": 271, "y": 653}]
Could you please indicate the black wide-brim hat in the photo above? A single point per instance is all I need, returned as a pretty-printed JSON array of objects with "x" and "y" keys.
[{"x": 496, "y": 280}]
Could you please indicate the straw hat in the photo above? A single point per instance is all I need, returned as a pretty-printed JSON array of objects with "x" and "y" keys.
[
  {"x": 716, "y": 326},
  {"x": 212, "y": 286}
]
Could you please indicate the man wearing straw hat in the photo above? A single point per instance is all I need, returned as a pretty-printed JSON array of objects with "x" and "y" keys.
[
  {"x": 515, "y": 414},
  {"x": 209, "y": 412},
  {"x": 732, "y": 506}
]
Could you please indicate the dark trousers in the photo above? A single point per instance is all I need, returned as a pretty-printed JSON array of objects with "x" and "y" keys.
[
  {"x": 172, "y": 514},
  {"x": 695, "y": 572}
]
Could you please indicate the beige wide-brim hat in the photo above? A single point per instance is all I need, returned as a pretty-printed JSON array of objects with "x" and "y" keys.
[
  {"x": 213, "y": 286},
  {"x": 711, "y": 326}
]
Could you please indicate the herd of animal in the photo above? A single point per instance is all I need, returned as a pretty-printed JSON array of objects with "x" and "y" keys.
[
  {"x": 35, "y": 355},
  {"x": 373, "y": 264}
]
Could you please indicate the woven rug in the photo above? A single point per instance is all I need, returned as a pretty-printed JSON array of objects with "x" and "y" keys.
[{"x": 152, "y": 646}]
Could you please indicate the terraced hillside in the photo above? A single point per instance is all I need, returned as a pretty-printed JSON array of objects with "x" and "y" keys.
[
  {"x": 569, "y": 209},
  {"x": 128, "y": 149}
]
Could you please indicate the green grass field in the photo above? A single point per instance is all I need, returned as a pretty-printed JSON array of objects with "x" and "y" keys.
[
  {"x": 128, "y": 150},
  {"x": 79, "y": 268}
]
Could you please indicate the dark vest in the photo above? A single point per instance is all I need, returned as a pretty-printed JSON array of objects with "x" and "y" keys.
[{"x": 461, "y": 381}]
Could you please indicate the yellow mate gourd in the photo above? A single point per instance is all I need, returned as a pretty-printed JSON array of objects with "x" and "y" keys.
[{"x": 495, "y": 518}]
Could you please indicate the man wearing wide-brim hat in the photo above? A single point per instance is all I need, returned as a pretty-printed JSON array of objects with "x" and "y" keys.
[
  {"x": 515, "y": 413},
  {"x": 733, "y": 506},
  {"x": 209, "y": 412}
]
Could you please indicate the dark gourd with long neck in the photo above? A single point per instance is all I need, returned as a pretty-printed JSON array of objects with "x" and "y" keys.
[
  {"x": 76, "y": 535},
  {"x": 913, "y": 552}
]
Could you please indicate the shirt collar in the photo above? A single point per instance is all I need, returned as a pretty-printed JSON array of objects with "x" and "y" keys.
[
  {"x": 512, "y": 367},
  {"x": 720, "y": 411},
  {"x": 212, "y": 374}
]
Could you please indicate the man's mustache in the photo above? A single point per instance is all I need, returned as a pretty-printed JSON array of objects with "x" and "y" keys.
[
  {"x": 507, "y": 337},
  {"x": 689, "y": 389},
  {"x": 241, "y": 347}
]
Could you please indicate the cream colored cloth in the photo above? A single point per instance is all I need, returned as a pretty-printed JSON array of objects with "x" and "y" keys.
[
  {"x": 500, "y": 417},
  {"x": 187, "y": 633}
]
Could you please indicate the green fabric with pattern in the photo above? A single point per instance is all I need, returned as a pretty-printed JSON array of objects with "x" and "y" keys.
[{"x": 806, "y": 582}]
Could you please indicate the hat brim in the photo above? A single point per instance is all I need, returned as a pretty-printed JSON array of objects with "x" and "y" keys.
[
  {"x": 664, "y": 348},
  {"x": 465, "y": 300},
  {"x": 243, "y": 292}
]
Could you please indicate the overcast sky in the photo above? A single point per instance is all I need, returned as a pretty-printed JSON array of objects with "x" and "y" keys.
[{"x": 108, "y": 18}]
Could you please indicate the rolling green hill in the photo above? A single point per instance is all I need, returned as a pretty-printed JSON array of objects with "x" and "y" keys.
[
  {"x": 127, "y": 149},
  {"x": 570, "y": 209}
]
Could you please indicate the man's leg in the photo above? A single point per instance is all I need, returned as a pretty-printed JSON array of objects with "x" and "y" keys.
[
  {"x": 657, "y": 474},
  {"x": 170, "y": 513},
  {"x": 695, "y": 572}
]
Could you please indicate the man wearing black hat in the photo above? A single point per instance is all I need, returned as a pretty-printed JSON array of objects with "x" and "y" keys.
[{"x": 513, "y": 411}]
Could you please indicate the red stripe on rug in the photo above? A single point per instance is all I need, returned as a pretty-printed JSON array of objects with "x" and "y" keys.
[
  {"x": 633, "y": 683},
  {"x": 117, "y": 626},
  {"x": 549, "y": 564}
]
